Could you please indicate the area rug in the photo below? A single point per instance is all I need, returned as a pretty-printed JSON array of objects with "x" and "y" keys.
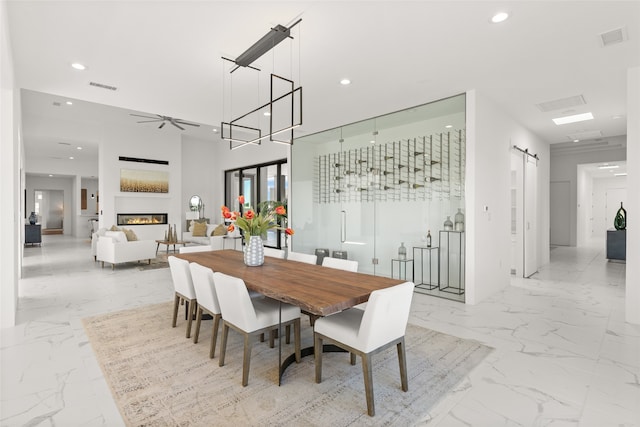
[
  {"x": 160, "y": 261},
  {"x": 160, "y": 378}
]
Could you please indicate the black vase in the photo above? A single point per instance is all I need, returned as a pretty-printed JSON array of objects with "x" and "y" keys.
[
  {"x": 620, "y": 221},
  {"x": 33, "y": 218}
]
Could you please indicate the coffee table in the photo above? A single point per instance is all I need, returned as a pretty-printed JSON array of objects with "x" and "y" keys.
[{"x": 168, "y": 243}]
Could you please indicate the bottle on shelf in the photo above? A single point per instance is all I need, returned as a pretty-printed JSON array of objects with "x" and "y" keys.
[
  {"x": 428, "y": 238},
  {"x": 448, "y": 225},
  {"x": 402, "y": 251},
  {"x": 459, "y": 220},
  {"x": 417, "y": 186}
]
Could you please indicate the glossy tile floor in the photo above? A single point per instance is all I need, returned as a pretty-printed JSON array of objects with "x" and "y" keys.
[{"x": 563, "y": 353}]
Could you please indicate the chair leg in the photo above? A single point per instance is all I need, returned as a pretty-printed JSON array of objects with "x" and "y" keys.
[
  {"x": 176, "y": 303},
  {"x": 288, "y": 334},
  {"x": 198, "y": 322},
  {"x": 214, "y": 335},
  {"x": 402, "y": 359},
  {"x": 296, "y": 339},
  {"x": 272, "y": 336},
  {"x": 223, "y": 345},
  {"x": 317, "y": 352},
  {"x": 246, "y": 360},
  {"x": 190, "y": 320},
  {"x": 353, "y": 358},
  {"x": 368, "y": 383}
]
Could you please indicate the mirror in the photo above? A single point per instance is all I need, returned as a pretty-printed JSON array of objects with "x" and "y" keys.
[{"x": 195, "y": 203}]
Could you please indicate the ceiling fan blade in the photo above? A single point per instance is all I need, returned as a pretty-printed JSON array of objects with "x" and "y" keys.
[
  {"x": 163, "y": 123},
  {"x": 176, "y": 125},
  {"x": 140, "y": 115},
  {"x": 149, "y": 121},
  {"x": 186, "y": 123}
]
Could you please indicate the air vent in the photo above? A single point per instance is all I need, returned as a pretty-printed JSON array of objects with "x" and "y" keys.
[
  {"x": 103, "y": 86},
  {"x": 57, "y": 104},
  {"x": 590, "y": 134},
  {"x": 64, "y": 143},
  {"x": 561, "y": 104},
  {"x": 613, "y": 37}
]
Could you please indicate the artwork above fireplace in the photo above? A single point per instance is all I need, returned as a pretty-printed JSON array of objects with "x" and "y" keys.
[{"x": 142, "y": 219}]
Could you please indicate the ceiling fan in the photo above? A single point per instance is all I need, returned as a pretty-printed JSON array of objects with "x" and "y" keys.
[{"x": 164, "y": 120}]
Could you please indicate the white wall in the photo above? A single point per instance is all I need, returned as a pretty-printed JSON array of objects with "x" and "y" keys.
[
  {"x": 147, "y": 143},
  {"x": 632, "y": 312},
  {"x": 491, "y": 133},
  {"x": 603, "y": 208},
  {"x": 564, "y": 167},
  {"x": 201, "y": 177},
  {"x": 10, "y": 212},
  {"x": 584, "y": 211}
]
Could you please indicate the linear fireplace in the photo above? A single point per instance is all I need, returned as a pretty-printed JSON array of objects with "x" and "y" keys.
[{"x": 142, "y": 219}]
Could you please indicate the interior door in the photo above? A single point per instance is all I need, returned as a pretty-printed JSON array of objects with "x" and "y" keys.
[
  {"x": 530, "y": 215},
  {"x": 560, "y": 207}
]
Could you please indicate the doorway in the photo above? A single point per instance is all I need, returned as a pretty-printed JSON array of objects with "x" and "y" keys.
[
  {"x": 49, "y": 208},
  {"x": 524, "y": 205}
]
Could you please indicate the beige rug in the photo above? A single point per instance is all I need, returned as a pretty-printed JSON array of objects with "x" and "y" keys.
[{"x": 159, "y": 378}]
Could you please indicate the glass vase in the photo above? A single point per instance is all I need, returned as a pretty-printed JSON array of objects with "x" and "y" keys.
[
  {"x": 254, "y": 252},
  {"x": 448, "y": 225},
  {"x": 459, "y": 220}
]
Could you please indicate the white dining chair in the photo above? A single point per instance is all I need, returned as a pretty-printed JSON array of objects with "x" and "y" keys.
[
  {"x": 184, "y": 292},
  {"x": 340, "y": 264},
  {"x": 192, "y": 249},
  {"x": 274, "y": 253},
  {"x": 301, "y": 257},
  {"x": 207, "y": 302},
  {"x": 251, "y": 317},
  {"x": 365, "y": 332}
]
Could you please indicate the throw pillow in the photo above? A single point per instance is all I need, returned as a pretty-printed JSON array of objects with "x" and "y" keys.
[
  {"x": 131, "y": 235},
  {"x": 114, "y": 228},
  {"x": 199, "y": 229},
  {"x": 220, "y": 230},
  {"x": 117, "y": 236}
]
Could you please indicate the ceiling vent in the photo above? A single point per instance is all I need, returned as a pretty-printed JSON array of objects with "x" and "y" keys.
[
  {"x": 561, "y": 104},
  {"x": 56, "y": 104},
  {"x": 103, "y": 86},
  {"x": 618, "y": 35},
  {"x": 590, "y": 134}
]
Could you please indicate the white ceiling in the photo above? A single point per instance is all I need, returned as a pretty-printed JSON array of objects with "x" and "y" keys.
[{"x": 165, "y": 58}]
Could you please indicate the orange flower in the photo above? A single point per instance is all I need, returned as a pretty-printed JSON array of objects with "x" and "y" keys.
[
  {"x": 226, "y": 214},
  {"x": 241, "y": 199},
  {"x": 224, "y": 208},
  {"x": 249, "y": 214},
  {"x": 230, "y": 228},
  {"x": 289, "y": 231},
  {"x": 280, "y": 210}
]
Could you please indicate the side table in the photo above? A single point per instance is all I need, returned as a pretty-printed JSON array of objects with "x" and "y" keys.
[
  {"x": 430, "y": 285},
  {"x": 402, "y": 264},
  {"x": 234, "y": 238}
]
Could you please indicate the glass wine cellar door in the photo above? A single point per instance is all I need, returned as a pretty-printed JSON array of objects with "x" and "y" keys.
[{"x": 364, "y": 190}]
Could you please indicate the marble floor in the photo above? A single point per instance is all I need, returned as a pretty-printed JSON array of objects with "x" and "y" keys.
[{"x": 563, "y": 354}]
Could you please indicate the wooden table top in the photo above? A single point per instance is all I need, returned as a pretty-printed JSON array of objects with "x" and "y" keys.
[{"x": 315, "y": 289}]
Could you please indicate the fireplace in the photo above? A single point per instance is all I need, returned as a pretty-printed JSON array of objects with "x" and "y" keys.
[{"x": 142, "y": 219}]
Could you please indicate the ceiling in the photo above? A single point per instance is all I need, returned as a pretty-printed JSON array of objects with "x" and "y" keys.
[{"x": 164, "y": 57}]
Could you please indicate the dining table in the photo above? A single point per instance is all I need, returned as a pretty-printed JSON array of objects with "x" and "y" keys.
[{"x": 317, "y": 290}]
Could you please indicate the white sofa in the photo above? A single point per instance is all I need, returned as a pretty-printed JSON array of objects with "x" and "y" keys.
[
  {"x": 216, "y": 242},
  {"x": 95, "y": 236},
  {"x": 114, "y": 248}
]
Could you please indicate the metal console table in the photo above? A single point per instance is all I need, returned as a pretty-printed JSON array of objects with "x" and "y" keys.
[
  {"x": 430, "y": 285},
  {"x": 451, "y": 261}
]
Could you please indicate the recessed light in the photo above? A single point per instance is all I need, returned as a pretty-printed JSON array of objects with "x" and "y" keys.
[
  {"x": 78, "y": 148},
  {"x": 373, "y": 141},
  {"x": 499, "y": 17},
  {"x": 78, "y": 66},
  {"x": 50, "y": 175},
  {"x": 620, "y": 174},
  {"x": 345, "y": 82},
  {"x": 608, "y": 167},
  {"x": 576, "y": 140},
  {"x": 266, "y": 113},
  {"x": 573, "y": 119},
  {"x": 70, "y": 157},
  {"x": 69, "y": 103},
  {"x": 448, "y": 126},
  {"x": 215, "y": 130}
]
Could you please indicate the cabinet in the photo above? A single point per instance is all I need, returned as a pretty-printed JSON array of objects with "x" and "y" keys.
[
  {"x": 32, "y": 234},
  {"x": 617, "y": 244}
]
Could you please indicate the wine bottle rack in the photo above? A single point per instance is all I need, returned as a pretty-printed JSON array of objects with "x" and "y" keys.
[{"x": 419, "y": 168}]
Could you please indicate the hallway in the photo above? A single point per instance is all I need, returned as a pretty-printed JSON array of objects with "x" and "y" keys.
[{"x": 563, "y": 353}]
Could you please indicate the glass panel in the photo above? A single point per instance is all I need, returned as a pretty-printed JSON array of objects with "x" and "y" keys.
[
  {"x": 369, "y": 187},
  {"x": 232, "y": 187}
]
